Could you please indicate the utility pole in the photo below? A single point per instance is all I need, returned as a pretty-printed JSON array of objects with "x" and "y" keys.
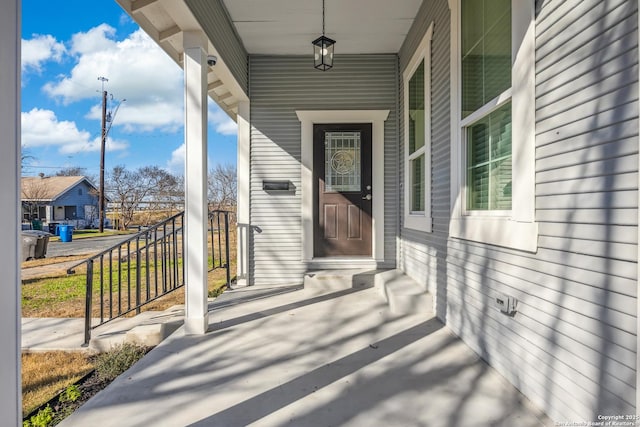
[{"x": 102, "y": 149}]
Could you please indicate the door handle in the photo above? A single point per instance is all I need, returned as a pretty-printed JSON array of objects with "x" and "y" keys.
[{"x": 367, "y": 197}]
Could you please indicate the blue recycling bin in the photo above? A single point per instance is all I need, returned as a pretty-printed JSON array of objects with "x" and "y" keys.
[{"x": 66, "y": 232}]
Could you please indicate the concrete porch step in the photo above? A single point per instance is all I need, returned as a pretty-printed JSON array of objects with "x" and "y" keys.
[
  {"x": 335, "y": 280},
  {"x": 403, "y": 294},
  {"x": 148, "y": 328}
]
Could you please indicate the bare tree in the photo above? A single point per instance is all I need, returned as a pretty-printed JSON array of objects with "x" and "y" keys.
[
  {"x": 127, "y": 192},
  {"x": 222, "y": 186},
  {"x": 76, "y": 171},
  {"x": 35, "y": 192},
  {"x": 163, "y": 191},
  {"x": 149, "y": 190},
  {"x": 25, "y": 159}
]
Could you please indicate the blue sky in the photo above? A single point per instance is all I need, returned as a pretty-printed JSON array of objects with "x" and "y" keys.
[{"x": 66, "y": 46}]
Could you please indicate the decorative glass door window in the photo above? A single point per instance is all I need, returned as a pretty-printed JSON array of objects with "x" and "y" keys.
[{"x": 342, "y": 162}]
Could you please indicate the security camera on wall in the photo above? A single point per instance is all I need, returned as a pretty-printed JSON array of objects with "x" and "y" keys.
[{"x": 212, "y": 60}]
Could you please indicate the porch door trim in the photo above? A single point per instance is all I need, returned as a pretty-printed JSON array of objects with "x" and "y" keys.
[{"x": 307, "y": 119}]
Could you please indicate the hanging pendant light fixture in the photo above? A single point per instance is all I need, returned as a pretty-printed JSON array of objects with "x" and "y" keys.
[{"x": 323, "y": 49}]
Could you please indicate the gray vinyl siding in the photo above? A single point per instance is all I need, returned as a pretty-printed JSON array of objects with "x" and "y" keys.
[
  {"x": 571, "y": 347},
  {"x": 214, "y": 20},
  {"x": 280, "y": 85},
  {"x": 423, "y": 255},
  {"x": 587, "y": 154}
]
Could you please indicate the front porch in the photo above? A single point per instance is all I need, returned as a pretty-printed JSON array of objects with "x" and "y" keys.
[{"x": 289, "y": 355}]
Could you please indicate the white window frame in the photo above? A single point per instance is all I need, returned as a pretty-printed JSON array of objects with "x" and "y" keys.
[
  {"x": 516, "y": 228},
  {"x": 418, "y": 220}
]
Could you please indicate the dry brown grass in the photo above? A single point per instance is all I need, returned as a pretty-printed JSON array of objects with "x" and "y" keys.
[
  {"x": 50, "y": 261},
  {"x": 46, "y": 374},
  {"x": 216, "y": 280}
]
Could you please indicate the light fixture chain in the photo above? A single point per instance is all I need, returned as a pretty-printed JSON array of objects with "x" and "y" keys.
[{"x": 323, "y": 17}]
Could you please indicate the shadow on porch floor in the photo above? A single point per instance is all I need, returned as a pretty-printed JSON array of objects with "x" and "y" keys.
[{"x": 287, "y": 356}]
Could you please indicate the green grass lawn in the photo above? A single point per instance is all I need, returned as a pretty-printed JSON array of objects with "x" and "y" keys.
[
  {"x": 64, "y": 295},
  {"x": 60, "y": 295}
]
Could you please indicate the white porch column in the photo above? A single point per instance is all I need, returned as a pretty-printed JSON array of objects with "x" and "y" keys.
[
  {"x": 10, "y": 394},
  {"x": 195, "y": 135},
  {"x": 244, "y": 229}
]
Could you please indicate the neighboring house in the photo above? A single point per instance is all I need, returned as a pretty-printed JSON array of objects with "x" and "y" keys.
[
  {"x": 488, "y": 149},
  {"x": 68, "y": 199}
]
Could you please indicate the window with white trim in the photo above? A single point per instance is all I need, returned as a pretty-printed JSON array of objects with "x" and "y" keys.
[
  {"x": 417, "y": 137},
  {"x": 493, "y": 120},
  {"x": 486, "y": 77}
]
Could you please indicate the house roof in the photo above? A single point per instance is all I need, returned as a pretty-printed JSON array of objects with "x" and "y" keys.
[{"x": 49, "y": 188}]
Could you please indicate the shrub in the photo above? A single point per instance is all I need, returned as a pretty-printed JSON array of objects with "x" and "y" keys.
[
  {"x": 70, "y": 394},
  {"x": 117, "y": 360},
  {"x": 42, "y": 419}
]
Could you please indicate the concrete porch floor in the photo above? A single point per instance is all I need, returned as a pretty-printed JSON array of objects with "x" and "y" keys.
[{"x": 287, "y": 356}]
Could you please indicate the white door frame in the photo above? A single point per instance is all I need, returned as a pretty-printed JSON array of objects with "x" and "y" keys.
[{"x": 377, "y": 119}]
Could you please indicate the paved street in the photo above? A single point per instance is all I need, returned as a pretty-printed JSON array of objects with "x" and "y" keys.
[{"x": 83, "y": 246}]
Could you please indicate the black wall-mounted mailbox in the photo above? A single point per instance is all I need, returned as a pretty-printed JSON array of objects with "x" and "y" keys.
[{"x": 276, "y": 185}]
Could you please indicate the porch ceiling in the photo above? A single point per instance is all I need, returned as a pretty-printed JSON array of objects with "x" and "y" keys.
[
  {"x": 288, "y": 26},
  {"x": 278, "y": 27}
]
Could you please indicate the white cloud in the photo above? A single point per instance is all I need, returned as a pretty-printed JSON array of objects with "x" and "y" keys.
[
  {"x": 137, "y": 69},
  {"x": 222, "y": 122},
  {"x": 137, "y": 117},
  {"x": 41, "y": 128},
  {"x": 175, "y": 165},
  {"x": 97, "y": 39},
  {"x": 40, "y": 49},
  {"x": 93, "y": 146}
]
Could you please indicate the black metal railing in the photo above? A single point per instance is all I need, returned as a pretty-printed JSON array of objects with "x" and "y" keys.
[
  {"x": 144, "y": 267},
  {"x": 219, "y": 233}
]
